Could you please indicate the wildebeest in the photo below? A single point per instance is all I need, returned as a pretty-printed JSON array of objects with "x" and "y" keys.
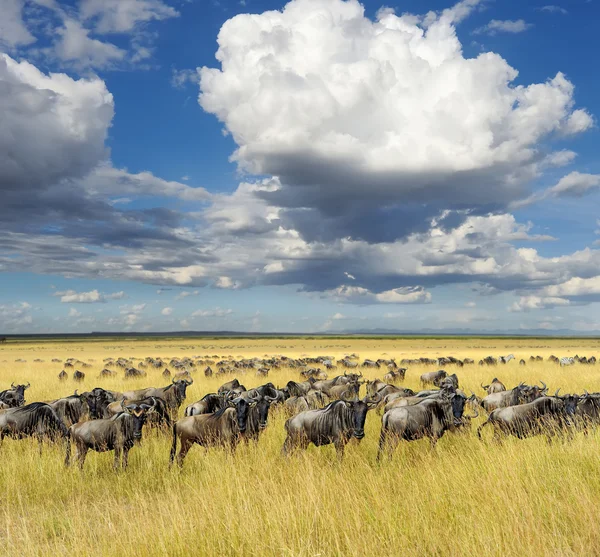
[
  {"x": 496, "y": 386},
  {"x": 78, "y": 376},
  {"x": 337, "y": 423},
  {"x": 208, "y": 372},
  {"x": 73, "y": 409},
  {"x": 132, "y": 372},
  {"x": 63, "y": 375},
  {"x": 449, "y": 382},
  {"x": 258, "y": 414},
  {"x": 37, "y": 419},
  {"x": 543, "y": 415},
  {"x": 15, "y": 396},
  {"x": 118, "y": 434},
  {"x": 431, "y": 418},
  {"x": 173, "y": 394},
  {"x": 433, "y": 378},
  {"x": 208, "y": 404},
  {"x": 518, "y": 395},
  {"x": 222, "y": 428},
  {"x": 395, "y": 376},
  {"x": 231, "y": 386}
]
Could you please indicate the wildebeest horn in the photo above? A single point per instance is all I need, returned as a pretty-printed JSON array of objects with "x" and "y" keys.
[
  {"x": 545, "y": 386},
  {"x": 12, "y": 385},
  {"x": 556, "y": 393},
  {"x": 123, "y": 405},
  {"x": 270, "y": 398},
  {"x": 28, "y": 385},
  {"x": 75, "y": 393},
  {"x": 174, "y": 380},
  {"x": 484, "y": 387},
  {"x": 188, "y": 383}
]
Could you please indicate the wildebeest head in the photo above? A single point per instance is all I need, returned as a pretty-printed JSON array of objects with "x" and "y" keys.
[
  {"x": 242, "y": 407},
  {"x": 139, "y": 413},
  {"x": 457, "y": 402},
  {"x": 180, "y": 386},
  {"x": 262, "y": 407},
  {"x": 531, "y": 393},
  {"x": 359, "y": 414},
  {"x": 570, "y": 402}
]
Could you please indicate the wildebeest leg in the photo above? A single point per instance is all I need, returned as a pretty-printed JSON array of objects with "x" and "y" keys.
[
  {"x": 183, "y": 451},
  {"x": 289, "y": 446},
  {"x": 80, "y": 455},
  {"x": 125, "y": 458},
  {"x": 340, "y": 445},
  {"x": 117, "y": 459}
]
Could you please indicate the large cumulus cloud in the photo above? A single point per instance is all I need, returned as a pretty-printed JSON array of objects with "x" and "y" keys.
[{"x": 355, "y": 115}]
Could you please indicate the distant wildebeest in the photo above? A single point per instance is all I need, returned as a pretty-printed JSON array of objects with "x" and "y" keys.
[
  {"x": 496, "y": 386},
  {"x": 63, "y": 375},
  {"x": 544, "y": 415},
  {"x": 107, "y": 373},
  {"x": 208, "y": 372},
  {"x": 132, "y": 372},
  {"x": 118, "y": 434},
  {"x": 337, "y": 423},
  {"x": 223, "y": 428},
  {"x": 431, "y": 418},
  {"x": 15, "y": 396},
  {"x": 433, "y": 378},
  {"x": 231, "y": 386},
  {"x": 37, "y": 420},
  {"x": 522, "y": 362},
  {"x": 166, "y": 373},
  {"x": 78, "y": 376}
]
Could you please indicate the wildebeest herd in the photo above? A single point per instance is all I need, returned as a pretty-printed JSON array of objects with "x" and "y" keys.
[{"x": 320, "y": 410}]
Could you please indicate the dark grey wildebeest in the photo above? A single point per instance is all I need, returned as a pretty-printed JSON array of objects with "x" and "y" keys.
[
  {"x": 223, "y": 428},
  {"x": 518, "y": 395},
  {"x": 173, "y": 394},
  {"x": 37, "y": 420},
  {"x": 431, "y": 418},
  {"x": 118, "y": 434},
  {"x": 545, "y": 415},
  {"x": 15, "y": 396},
  {"x": 208, "y": 404},
  {"x": 337, "y": 423},
  {"x": 74, "y": 408}
]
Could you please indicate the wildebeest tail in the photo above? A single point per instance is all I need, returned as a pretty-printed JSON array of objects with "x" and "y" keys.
[
  {"x": 174, "y": 445},
  {"x": 481, "y": 427}
]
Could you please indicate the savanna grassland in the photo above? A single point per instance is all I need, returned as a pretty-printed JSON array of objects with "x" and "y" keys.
[{"x": 465, "y": 497}]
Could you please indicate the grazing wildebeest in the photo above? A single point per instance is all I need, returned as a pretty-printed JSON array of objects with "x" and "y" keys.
[
  {"x": 496, "y": 386},
  {"x": 78, "y": 376},
  {"x": 337, "y": 423},
  {"x": 166, "y": 373},
  {"x": 15, "y": 396},
  {"x": 208, "y": 372},
  {"x": 223, "y": 428},
  {"x": 132, "y": 372},
  {"x": 63, "y": 375},
  {"x": 208, "y": 404},
  {"x": 433, "y": 377},
  {"x": 448, "y": 382},
  {"x": 37, "y": 419},
  {"x": 522, "y": 362},
  {"x": 300, "y": 389},
  {"x": 544, "y": 415},
  {"x": 173, "y": 394},
  {"x": 118, "y": 434},
  {"x": 107, "y": 373},
  {"x": 431, "y": 418},
  {"x": 348, "y": 390},
  {"x": 395, "y": 376},
  {"x": 588, "y": 410}
]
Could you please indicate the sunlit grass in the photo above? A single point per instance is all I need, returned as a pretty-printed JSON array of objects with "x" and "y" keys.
[{"x": 465, "y": 497}]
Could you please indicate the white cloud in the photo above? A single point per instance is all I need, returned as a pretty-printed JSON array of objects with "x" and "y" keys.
[
  {"x": 91, "y": 297},
  {"x": 503, "y": 26},
  {"x": 186, "y": 294},
  {"x": 551, "y": 9},
  {"x": 529, "y": 303},
  {"x": 227, "y": 283},
  {"x": 74, "y": 313},
  {"x": 181, "y": 78},
  {"x": 358, "y": 294},
  {"x": 77, "y": 47},
  {"x": 291, "y": 91},
  {"x": 575, "y": 287},
  {"x": 574, "y": 184},
  {"x": 121, "y": 16},
  {"x": 16, "y": 317},
  {"x": 53, "y": 127},
  {"x": 470, "y": 304},
  {"x": 73, "y": 297},
  {"x": 216, "y": 312},
  {"x": 338, "y": 316},
  {"x": 13, "y": 31},
  {"x": 166, "y": 311}
]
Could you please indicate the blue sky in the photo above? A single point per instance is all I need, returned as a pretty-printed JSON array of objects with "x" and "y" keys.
[{"x": 303, "y": 166}]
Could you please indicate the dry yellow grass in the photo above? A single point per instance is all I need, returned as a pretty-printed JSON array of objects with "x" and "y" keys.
[{"x": 465, "y": 497}]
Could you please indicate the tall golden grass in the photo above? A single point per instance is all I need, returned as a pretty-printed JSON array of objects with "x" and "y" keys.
[{"x": 465, "y": 497}]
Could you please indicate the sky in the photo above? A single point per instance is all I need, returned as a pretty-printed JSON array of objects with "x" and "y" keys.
[{"x": 302, "y": 166}]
